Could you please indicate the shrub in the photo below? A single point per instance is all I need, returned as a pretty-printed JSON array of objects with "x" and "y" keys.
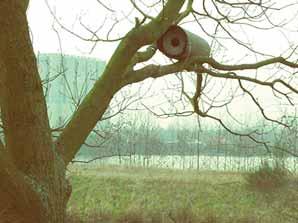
[{"x": 268, "y": 177}]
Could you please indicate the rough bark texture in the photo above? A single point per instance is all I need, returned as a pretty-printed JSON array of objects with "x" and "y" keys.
[
  {"x": 32, "y": 176},
  {"x": 32, "y": 168}
]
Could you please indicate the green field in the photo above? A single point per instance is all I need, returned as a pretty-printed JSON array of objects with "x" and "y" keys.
[{"x": 132, "y": 195}]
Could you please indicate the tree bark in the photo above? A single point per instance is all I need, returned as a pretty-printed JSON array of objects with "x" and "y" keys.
[
  {"x": 96, "y": 102},
  {"x": 32, "y": 174},
  {"x": 33, "y": 187}
]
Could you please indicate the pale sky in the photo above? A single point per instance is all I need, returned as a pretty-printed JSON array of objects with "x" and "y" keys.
[{"x": 71, "y": 12}]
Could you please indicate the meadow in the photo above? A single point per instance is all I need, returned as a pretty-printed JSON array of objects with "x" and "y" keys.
[{"x": 115, "y": 194}]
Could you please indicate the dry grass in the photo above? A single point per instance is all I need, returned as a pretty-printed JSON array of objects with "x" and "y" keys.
[
  {"x": 180, "y": 217},
  {"x": 131, "y": 195}
]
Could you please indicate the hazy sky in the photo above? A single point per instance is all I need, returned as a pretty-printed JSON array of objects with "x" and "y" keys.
[{"x": 71, "y": 12}]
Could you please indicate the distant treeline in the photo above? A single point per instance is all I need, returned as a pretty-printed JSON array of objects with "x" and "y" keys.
[
  {"x": 175, "y": 141},
  {"x": 67, "y": 79}
]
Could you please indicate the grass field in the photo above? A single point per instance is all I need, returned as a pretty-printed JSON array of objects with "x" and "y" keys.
[{"x": 137, "y": 195}]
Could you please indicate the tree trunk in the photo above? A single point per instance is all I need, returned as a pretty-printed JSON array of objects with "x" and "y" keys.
[
  {"x": 32, "y": 174},
  {"x": 33, "y": 188}
]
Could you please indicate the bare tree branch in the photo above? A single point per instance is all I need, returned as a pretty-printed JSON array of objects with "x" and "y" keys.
[{"x": 91, "y": 110}]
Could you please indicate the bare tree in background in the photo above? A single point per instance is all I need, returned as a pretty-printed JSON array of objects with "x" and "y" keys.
[{"x": 33, "y": 187}]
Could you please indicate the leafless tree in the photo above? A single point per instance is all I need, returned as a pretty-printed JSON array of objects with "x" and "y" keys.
[{"x": 33, "y": 186}]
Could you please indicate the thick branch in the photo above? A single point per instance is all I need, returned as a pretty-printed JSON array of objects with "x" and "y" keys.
[
  {"x": 142, "y": 56},
  {"x": 186, "y": 12},
  {"x": 96, "y": 102},
  {"x": 155, "y": 71}
]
